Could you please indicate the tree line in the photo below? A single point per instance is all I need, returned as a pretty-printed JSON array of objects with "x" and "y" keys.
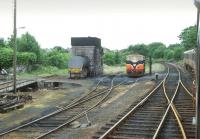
[
  {"x": 30, "y": 54},
  {"x": 157, "y": 50}
]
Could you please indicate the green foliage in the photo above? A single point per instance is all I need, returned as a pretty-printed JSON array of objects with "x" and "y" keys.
[
  {"x": 44, "y": 71},
  {"x": 174, "y": 46},
  {"x": 178, "y": 53},
  {"x": 108, "y": 58},
  {"x": 2, "y": 43},
  {"x": 154, "y": 49},
  {"x": 26, "y": 58},
  {"x": 43, "y": 57},
  {"x": 60, "y": 49},
  {"x": 113, "y": 57},
  {"x": 158, "y": 53},
  {"x": 138, "y": 49},
  {"x": 58, "y": 59},
  {"x": 188, "y": 37},
  {"x": 168, "y": 54},
  {"x": 6, "y": 57},
  {"x": 27, "y": 43}
]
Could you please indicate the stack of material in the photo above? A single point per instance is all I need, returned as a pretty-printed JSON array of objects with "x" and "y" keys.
[
  {"x": 10, "y": 102},
  {"x": 90, "y": 48}
]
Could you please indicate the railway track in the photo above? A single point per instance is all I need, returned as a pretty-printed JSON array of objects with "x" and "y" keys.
[
  {"x": 166, "y": 112},
  {"x": 47, "y": 125}
]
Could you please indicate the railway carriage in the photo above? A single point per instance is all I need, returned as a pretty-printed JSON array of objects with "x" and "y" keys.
[
  {"x": 190, "y": 59},
  {"x": 135, "y": 65}
]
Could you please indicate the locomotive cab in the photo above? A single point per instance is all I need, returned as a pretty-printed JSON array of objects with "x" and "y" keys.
[{"x": 135, "y": 65}]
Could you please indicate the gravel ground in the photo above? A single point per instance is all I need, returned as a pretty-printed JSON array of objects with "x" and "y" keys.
[
  {"x": 121, "y": 99},
  {"x": 44, "y": 102}
]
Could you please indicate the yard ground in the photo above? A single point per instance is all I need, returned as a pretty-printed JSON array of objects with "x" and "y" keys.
[{"x": 46, "y": 101}]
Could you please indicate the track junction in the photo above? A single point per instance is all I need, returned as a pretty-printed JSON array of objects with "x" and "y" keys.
[
  {"x": 166, "y": 112},
  {"x": 48, "y": 125}
]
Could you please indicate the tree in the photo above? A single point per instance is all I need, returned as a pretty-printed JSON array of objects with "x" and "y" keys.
[
  {"x": 188, "y": 37},
  {"x": 117, "y": 58},
  {"x": 152, "y": 47},
  {"x": 138, "y": 49},
  {"x": 159, "y": 52},
  {"x": 27, "y": 43},
  {"x": 26, "y": 58},
  {"x": 174, "y": 46},
  {"x": 178, "y": 53},
  {"x": 58, "y": 57},
  {"x": 109, "y": 58},
  {"x": 169, "y": 54},
  {"x": 2, "y": 43},
  {"x": 6, "y": 56},
  {"x": 60, "y": 49}
]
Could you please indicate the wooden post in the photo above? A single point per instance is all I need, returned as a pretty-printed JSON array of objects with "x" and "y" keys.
[
  {"x": 14, "y": 48},
  {"x": 150, "y": 65}
]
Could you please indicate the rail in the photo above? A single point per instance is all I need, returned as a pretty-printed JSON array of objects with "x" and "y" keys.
[
  {"x": 82, "y": 113},
  {"x": 132, "y": 110},
  {"x": 71, "y": 105},
  {"x": 171, "y": 105}
]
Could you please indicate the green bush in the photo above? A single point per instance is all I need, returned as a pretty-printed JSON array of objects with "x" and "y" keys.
[
  {"x": 58, "y": 59},
  {"x": 169, "y": 54},
  {"x": 25, "y": 58},
  {"x": 178, "y": 53},
  {"x": 6, "y": 57}
]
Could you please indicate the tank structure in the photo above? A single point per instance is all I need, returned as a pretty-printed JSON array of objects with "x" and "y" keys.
[{"x": 89, "y": 48}]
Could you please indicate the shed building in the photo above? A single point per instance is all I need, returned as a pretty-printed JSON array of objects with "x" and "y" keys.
[{"x": 90, "y": 48}]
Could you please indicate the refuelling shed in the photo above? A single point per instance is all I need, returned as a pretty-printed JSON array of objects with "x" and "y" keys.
[{"x": 89, "y": 48}]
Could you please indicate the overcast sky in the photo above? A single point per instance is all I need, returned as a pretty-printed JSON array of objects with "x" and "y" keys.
[{"x": 118, "y": 23}]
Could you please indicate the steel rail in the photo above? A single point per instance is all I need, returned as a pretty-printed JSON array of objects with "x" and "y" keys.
[
  {"x": 76, "y": 100},
  {"x": 164, "y": 90},
  {"x": 177, "y": 115},
  {"x": 82, "y": 113},
  {"x": 74, "y": 103},
  {"x": 193, "y": 97},
  {"x": 131, "y": 111}
]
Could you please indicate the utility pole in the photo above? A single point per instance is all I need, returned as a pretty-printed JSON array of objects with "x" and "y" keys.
[{"x": 14, "y": 47}]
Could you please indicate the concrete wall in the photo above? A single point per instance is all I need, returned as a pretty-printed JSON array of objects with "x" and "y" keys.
[{"x": 94, "y": 54}]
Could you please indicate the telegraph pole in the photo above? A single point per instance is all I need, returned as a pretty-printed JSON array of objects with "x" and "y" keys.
[{"x": 14, "y": 47}]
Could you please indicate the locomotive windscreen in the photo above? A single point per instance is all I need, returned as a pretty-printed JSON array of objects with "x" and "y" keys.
[{"x": 135, "y": 58}]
